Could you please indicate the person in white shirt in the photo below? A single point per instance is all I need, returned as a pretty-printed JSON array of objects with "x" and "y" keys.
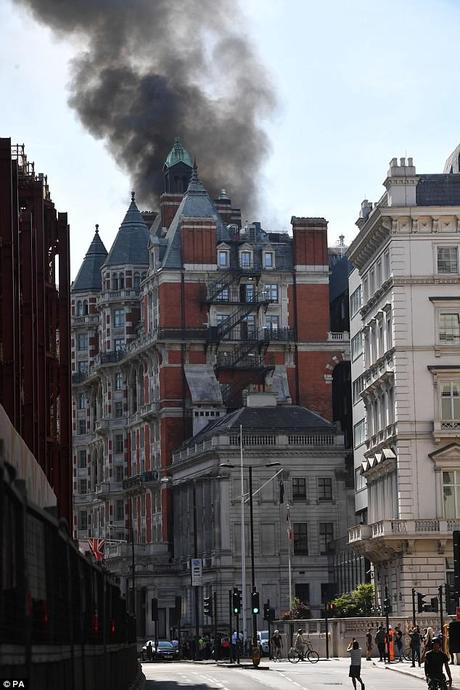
[{"x": 355, "y": 663}]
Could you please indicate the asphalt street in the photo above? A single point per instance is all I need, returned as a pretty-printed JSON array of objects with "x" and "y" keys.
[{"x": 280, "y": 676}]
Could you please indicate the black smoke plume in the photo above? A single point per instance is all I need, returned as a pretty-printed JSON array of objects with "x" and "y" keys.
[{"x": 152, "y": 70}]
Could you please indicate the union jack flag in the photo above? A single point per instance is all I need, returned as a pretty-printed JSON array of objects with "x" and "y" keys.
[{"x": 97, "y": 548}]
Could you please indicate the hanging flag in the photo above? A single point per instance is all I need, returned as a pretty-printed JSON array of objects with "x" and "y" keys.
[
  {"x": 290, "y": 535},
  {"x": 97, "y": 548}
]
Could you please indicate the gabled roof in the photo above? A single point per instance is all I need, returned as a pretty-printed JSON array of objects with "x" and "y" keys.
[
  {"x": 178, "y": 155},
  {"x": 89, "y": 276},
  {"x": 196, "y": 203},
  {"x": 131, "y": 243}
]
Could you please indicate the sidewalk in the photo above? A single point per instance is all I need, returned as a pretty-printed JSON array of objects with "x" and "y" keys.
[{"x": 406, "y": 669}]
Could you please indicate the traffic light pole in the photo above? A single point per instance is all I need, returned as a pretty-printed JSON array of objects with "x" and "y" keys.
[
  {"x": 413, "y": 607},
  {"x": 230, "y": 618},
  {"x": 216, "y": 641},
  {"x": 387, "y": 624},
  {"x": 237, "y": 646},
  {"x": 253, "y": 572}
]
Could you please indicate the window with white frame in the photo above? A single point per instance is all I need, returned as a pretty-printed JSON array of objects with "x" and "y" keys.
[
  {"x": 365, "y": 291},
  {"x": 223, "y": 294},
  {"x": 360, "y": 479},
  {"x": 272, "y": 323},
  {"x": 356, "y": 346},
  {"x": 119, "y": 472},
  {"x": 326, "y": 536},
  {"x": 81, "y": 401},
  {"x": 269, "y": 260},
  {"x": 272, "y": 292},
  {"x": 449, "y": 327},
  {"x": 245, "y": 258},
  {"x": 223, "y": 258},
  {"x": 118, "y": 344},
  {"x": 118, "y": 381},
  {"x": 356, "y": 300},
  {"x": 81, "y": 459},
  {"x": 324, "y": 489},
  {"x": 450, "y": 400},
  {"x": 82, "y": 519},
  {"x": 447, "y": 259},
  {"x": 359, "y": 432},
  {"x": 386, "y": 265},
  {"x": 119, "y": 510},
  {"x": 358, "y": 386},
  {"x": 118, "y": 318},
  {"x": 83, "y": 367},
  {"x": 451, "y": 493}
]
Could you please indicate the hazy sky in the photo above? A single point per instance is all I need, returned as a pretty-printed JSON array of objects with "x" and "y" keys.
[{"x": 358, "y": 82}]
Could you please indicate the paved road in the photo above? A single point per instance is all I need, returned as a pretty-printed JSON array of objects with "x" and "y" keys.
[{"x": 326, "y": 675}]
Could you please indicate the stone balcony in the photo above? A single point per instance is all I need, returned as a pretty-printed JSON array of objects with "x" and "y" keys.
[
  {"x": 108, "y": 488},
  {"x": 446, "y": 429},
  {"x": 381, "y": 539},
  {"x": 124, "y": 550}
]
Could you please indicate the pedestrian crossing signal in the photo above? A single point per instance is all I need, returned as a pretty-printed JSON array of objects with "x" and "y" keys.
[
  {"x": 207, "y": 606},
  {"x": 255, "y": 602},
  {"x": 236, "y": 600}
]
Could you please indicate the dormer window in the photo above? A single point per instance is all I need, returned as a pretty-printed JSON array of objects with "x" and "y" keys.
[
  {"x": 223, "y": 258},
  {"x": 269, "y": 260},
  {"x": 245, "y": 259}
]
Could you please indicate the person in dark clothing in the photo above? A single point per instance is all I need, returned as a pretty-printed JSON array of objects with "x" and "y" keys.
[
  {"x": 415, "y": 644},
  {"x": 380, "y": 642},
  {"x": 398, "y": 642},
  {"x": 435, "y": 662},
  {"x": 369, "y": 645}
]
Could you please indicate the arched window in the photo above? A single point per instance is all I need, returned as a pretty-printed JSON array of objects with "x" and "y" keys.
[
  {"x": 85, "y": 307},
  {"x": 137, "y": 281},
  {"x": 121, "y": 281},
  {"x": 79, "y": 308},
  {"x": 114, "y": 281}
]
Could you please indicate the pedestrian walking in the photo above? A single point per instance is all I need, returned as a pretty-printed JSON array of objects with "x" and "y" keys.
[
  {"x": 435, "y": 662},
  {"x": 369, "y": 645},
  {"x": 427, "y": 642},
  {"x": 276, "y": 645},
  {"x": 415, "y": 642},
  {"x": 355, "y": 663},
  {"x": 380, "y": 642}
]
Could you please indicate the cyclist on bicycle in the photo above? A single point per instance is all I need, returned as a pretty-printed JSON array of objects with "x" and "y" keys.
[
  {"x": 435, "y": 661},
  {"x": 300, "y": 643}
]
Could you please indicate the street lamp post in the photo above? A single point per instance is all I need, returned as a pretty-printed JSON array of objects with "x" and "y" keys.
[{"x": 195, "y": 555}]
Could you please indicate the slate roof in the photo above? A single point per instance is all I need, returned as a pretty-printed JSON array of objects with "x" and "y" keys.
[
  {"x": 89, "y": 276},
  {"x": 131, "y": 243},
  {"x": 438, "y": 190},
  {"x": 196, "y": 203},
  {"x": 277, "y": 419}
]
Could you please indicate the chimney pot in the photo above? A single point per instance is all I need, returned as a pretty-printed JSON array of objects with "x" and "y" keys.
[{"x": 402, "y": 162}]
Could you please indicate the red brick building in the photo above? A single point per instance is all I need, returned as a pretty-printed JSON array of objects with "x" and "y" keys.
[
  {"x": 35, "y": 387},
  {"x": 188, "y": 312}
]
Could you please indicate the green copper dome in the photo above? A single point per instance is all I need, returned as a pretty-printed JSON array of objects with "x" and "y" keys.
[{"x": 178, "y": 155}]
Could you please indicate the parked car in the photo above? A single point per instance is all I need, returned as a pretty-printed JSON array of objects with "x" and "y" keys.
[
  {"x": 165, "y": 650},
  {"x": 264, "y": 642}
]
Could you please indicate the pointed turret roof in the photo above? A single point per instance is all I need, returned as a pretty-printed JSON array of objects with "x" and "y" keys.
[
  {"x": 196, "y": 203},
  {"x": 178, "y": 155},
  {"x": 131, "y": 243},
  {"x": 89, "y": 276}
]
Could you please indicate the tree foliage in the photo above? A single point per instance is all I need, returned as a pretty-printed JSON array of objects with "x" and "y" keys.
[
  {"x": 298, "y": 611},
  {"x": 360, "y": 602}
]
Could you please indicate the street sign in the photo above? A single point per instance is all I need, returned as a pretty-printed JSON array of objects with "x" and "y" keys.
[{"x": 197, "y": 572}]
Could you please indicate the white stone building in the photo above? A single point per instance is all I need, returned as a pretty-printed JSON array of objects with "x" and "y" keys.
[{"x": 405, "y": 330}]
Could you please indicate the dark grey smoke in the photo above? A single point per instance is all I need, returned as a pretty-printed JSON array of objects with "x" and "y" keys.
[{"x": 152, "y": 70}]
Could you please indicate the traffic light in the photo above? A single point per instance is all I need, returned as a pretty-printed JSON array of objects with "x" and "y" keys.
[
  {"x": 236, "y": 600},
  {"x": 434, "y": 605},
  {"x": 420, "y": 602},
  {"x": 255, "y": 603},
  {"x": 266, "y": 611},
  {"x": 207, "y": 606},
  {"x": 386, "y": 606},
  {"x": 456, "y": 544},
  {"x": 154, "y": 609}
]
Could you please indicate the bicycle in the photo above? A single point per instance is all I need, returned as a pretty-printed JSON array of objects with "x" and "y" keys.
[
  {"x": 437, "y": 684},
  {"x": 294, "y": 655}
]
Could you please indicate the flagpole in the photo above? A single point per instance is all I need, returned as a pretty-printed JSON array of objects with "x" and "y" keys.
[
  {"x": 243, "y": 540},
  {"x": 289, "y": 532}
]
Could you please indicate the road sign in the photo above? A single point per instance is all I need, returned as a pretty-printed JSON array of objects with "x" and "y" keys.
[{"x": 197, "y": 572}]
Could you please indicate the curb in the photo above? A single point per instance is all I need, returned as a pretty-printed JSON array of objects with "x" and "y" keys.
[{"x": 405, "y": 672}]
